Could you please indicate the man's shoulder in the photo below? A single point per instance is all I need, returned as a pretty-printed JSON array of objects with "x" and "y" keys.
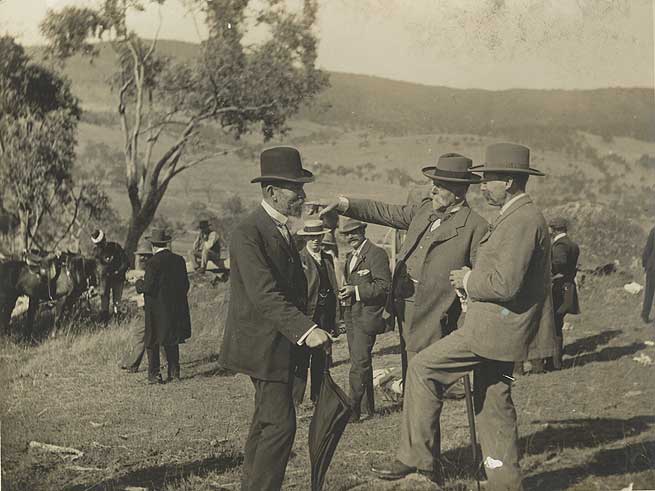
[
  {"x": 114, "y": 247},
  {"x": 476, "y": 220},
  {"x": 376, "y": 250},
  {"x": 248, "y": 226}
]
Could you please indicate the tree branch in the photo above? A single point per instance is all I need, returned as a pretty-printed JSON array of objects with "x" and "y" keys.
[{"x": 172, "y": 172}]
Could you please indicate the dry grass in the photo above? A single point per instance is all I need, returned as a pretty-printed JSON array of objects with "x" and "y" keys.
[{"x": 590, "y": 426}]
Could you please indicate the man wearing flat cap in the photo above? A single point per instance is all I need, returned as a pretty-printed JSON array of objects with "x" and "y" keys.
[
  {"x": 565, "y": 255},
  {"x": 509, "y": 319},
  {"x": 321, "y": 307},
  {"x": 366, "y": 283},
  {"x": 266, "y": 318}
]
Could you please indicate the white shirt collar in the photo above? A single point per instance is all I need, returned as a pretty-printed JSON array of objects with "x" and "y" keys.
[
  {"x": 155, "y": 250},
  {"x": 359, "y": 249},
  {"x": 509, "y": 203},
  {"x": 559, "y": 236},
  {"x": 274, "y": 214},
  {"x": 315, "y": 255}
]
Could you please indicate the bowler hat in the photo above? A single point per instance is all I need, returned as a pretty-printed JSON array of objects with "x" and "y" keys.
[
  {"x": 350, "y": 224},
  {"x": 508, "y": 158},
  {"x": 203, "y": 224},
  {"x": 452, "y": 167},
  {"x": 559, "y": 223},
  {"x": 312, "y": 227},
  {"x": 159, "y": 236},
  {"x": 282, "y": 164}
]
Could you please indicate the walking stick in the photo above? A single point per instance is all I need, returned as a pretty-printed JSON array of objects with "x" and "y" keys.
[{"x": 471, "y": 416}]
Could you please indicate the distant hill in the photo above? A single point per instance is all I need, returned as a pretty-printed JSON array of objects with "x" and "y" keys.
[{"x": 546, "y": 117}]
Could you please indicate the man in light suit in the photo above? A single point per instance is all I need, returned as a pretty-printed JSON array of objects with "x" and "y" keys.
[
  {"x": 509, "y": 319},
  {"x": 442, "y": 234},
  {"x": 266, "y": 319},
  {"x": 321, "y": 307},
  {"x": 367, "y": 278}
]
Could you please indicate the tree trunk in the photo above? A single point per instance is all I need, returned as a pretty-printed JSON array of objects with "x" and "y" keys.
[
  {"x": 24, "y": 230},
  {"x": 138, "y": 225}
]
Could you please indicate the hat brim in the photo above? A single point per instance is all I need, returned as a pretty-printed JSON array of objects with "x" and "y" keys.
[
  {"x": 351, "y": 229},
  {"x": 306, "y": 177},
  {"x": 302, "y": 233},
  {"x": 504, "y": 170},
  {"x": 429, "y": 173},
  {"x": 165, "y": 240}
]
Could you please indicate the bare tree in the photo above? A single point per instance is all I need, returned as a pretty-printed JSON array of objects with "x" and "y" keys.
[{"x": 238, "y": 85}]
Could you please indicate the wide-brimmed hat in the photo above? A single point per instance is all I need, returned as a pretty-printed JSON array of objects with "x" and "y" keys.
[
  {"x": 328, "y": 238},
  {"x": 97, "y": 236},
  {"x": 282, "y": 164},
  {"x": 509, "y": 158},
  {"x": 159, "y": 236},
  {"x": 312, "y": 227},
  {"x": 350, "y": 224},
  {"x": 452, "y": 167}
]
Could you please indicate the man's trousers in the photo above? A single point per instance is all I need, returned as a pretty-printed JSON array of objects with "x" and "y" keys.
[
  {"x": 360, "y": 347},
  {"x": 113, "y": 287},
  {"x": 430, "y": 372},
  {"x": 272, "y": 431}
]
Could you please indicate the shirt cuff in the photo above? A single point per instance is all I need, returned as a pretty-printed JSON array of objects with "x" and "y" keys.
[
  {"x": 301, "y": 341},
  {"x": 344, "y": 204},
  {"x": 465, "y": 280},
  {"x": 357, "y": 294}
]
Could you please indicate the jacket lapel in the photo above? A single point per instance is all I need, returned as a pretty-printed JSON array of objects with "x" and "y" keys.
[
  {"x": 525, "y": 200},
  {"x": 362, "y": 255},
  {"x": 271, "y": 231},
  {"x": 418, "y": 228},
  {"x": 450, "y": 227}
]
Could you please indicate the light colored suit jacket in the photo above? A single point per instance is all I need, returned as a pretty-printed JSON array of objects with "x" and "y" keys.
[
  {"x": 454, "y": 245},
  {"x": 510, "y": 310}
]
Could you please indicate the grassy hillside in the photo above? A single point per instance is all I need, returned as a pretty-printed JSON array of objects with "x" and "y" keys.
[
  {"x": 588, "y": 427},
  {"x": 541, "y": 117}
]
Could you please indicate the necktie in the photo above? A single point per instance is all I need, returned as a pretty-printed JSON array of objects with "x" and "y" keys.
[
  {"x": 285, "y": 232},
  {"x": 353, "y": 261}
]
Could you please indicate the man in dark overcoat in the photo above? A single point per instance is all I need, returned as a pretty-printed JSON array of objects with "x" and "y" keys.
[
  {"x": 648, "y": 262},
  {"x": 321, "y": 307},
  {"x": 164, "y": 286},
  {"x": 509, "y": 318},
  {"x": 266, "y": 317},
  {"x": 367, "y": 279},
  {"x": 442, "y": 234},
  {"x": 565, "y": 254}
]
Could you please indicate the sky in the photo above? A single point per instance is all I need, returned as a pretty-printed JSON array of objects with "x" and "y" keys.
[{"x": 490, "y": 44}]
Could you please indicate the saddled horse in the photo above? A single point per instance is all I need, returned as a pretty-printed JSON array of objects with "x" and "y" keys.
[{"x": 61, "y": 280}]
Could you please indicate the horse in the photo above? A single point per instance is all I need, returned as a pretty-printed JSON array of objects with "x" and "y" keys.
[{"x": 60, "y": 279}]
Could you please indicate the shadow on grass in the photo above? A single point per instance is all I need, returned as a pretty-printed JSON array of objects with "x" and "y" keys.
[
  {"x": 589, "y": 344},
  {"x": 610, "y": 353},
  {"x": 156, "y": 477},
  {"x": 637, "y": 457},
  {"x": 560, "y": 434}
]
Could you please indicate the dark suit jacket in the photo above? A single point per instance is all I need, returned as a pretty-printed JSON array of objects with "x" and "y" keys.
[
  {"x": 164, "y": 287},
  {"x": 268, "y": 298},
  {"x": 311, "y": 273},
  {"x": 373, "y": 287},
  {"x": 510, "y": 308},
  {"x": 648, "y": 257},
  {"x": 565, "y": 255},
  {"x": 454, "y": 245}
]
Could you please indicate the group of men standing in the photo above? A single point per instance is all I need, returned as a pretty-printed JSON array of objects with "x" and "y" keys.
[{"x": 450, "y": 260}]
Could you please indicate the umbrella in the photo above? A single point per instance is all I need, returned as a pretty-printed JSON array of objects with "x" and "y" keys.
[{"x": 329, "y": 420}]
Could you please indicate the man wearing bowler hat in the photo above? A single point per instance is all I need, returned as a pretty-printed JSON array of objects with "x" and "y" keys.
[
  {"x": 509, "y": 319},
  {"x": 367, "y": 279},
  {"x": 164, "y": 286},
  {"x": 442, "y": 234},
  {"x": 321, "y": 307},
  {"x": 266, "y": 319}
]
